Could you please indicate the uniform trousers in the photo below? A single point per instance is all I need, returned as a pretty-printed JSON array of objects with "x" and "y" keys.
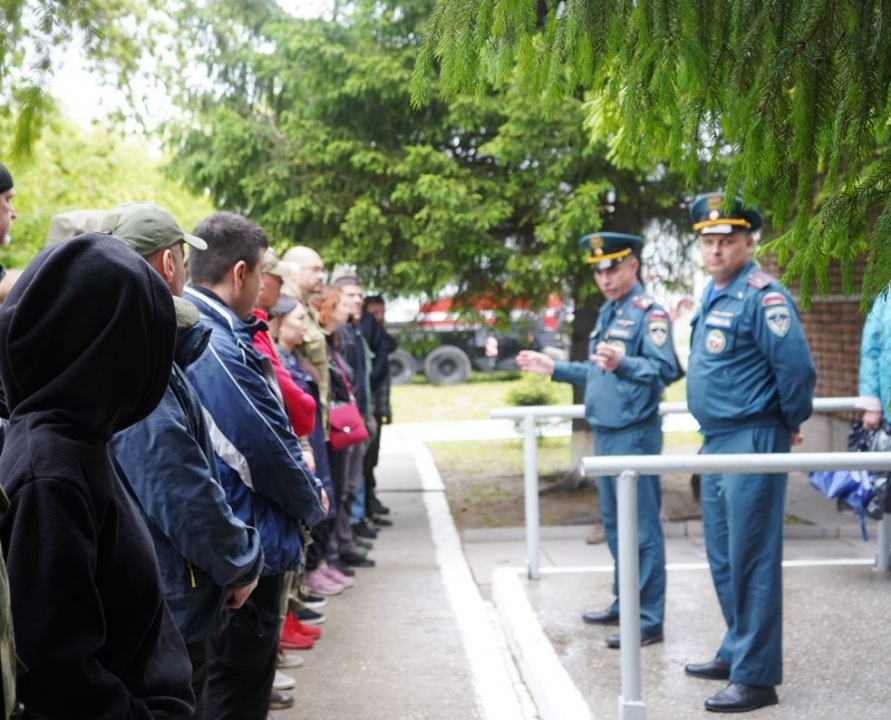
[
  {"x": 644, "y": 439},
  {"x": 742, "y": 517}
]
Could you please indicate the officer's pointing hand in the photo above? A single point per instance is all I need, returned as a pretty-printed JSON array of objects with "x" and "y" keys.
[{"x": 535, "y": 362}]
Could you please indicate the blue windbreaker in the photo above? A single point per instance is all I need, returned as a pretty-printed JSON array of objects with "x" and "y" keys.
[{"x": 261, "y": 466}]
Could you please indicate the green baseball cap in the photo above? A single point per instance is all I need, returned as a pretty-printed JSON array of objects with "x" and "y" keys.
[{"x": 146, "y": 228}]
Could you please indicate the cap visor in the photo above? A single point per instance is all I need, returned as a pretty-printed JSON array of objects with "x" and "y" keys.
[
  {"x": 284, "y": 269},
  {"x": 720, "y": 229},
  {"x": 195, "y": 242}
]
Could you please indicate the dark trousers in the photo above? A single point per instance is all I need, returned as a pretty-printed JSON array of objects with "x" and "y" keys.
[
  {"x": 372, "y": 454},
  {"x": 318, "y": 548},
  {"x": 198, "y": 657},
  {"x": 241, "y": 667}
]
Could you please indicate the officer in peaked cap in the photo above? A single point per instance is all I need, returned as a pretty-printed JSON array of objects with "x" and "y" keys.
[
  {"x": 631, "y": 360},
  {"x": 750, "y": 381}
]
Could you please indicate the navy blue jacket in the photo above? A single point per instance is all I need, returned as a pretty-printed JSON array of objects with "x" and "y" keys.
[
  {"x": 750, "y": 364},
  {"x": 262, "y": 470},
  {"x": 168, "y": 464},
  {"x": 630, "y": 395}
]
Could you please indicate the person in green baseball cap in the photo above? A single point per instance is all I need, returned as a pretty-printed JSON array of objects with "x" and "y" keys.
[{"x": 153, "y": 233}]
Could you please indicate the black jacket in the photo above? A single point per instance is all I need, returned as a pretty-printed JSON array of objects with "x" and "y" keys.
[{"x": 88, "y": 333}]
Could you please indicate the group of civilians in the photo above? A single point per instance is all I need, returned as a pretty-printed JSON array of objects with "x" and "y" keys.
[{"x": 183, "y": 496}]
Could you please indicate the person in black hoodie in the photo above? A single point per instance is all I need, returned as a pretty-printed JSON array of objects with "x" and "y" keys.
[{"x": 88, "y": 333}]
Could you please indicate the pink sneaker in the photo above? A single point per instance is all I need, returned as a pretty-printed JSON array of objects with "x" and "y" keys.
[
  {"x": 334, "y": 574},
  {"x": 318, "y": 583}
]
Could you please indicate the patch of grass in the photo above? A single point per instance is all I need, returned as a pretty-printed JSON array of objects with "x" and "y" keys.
[
  {"x": 676, "y": 392},
  {"x": 693, "y": 440},
  {"x": 422, "y": 402}
]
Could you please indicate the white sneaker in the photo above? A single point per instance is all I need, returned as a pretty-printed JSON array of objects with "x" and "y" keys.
[
  {"x": 289, "y": 660},
  {"x": 282, "y": 681}
]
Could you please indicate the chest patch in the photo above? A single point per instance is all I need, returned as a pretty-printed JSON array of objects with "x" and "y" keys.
[
  {"x": 713, "y": 319},
  {"x": 715, "y": 341},
  {"x": 625, "y": 323},
  {"x": 618, "y": 332},
  {"x": 778, "y": 319}
]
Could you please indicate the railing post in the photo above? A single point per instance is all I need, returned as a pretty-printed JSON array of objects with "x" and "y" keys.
[
  {"x": 530, "y": 481},
  {"x": 883, "y": 562},
  {"x": 631, "y": 706}
]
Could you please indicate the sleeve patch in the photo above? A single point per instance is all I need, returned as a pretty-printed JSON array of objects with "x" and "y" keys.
[
  {"x": 778, "y": 319},
  {"x": 657, "y": 313},
  {"x": 657, "y": 329},
  {"x": 774, "y": 298}
]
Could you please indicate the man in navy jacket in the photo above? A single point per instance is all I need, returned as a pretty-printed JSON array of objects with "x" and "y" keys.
[
  {"x": 167, "y": 462},
  {"x": 261, "y": 466}
]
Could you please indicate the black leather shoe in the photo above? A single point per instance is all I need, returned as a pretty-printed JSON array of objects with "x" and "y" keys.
[
  {"x": 377, "y": 507},
  {"x": 647, "y": 637},
  {"x": 715, "y": 669},
  {"x": 737, "y": 698},
  {"x": 604, "y": 617},
  {"x": 381, "y": 521},
  {"x": 360, "y": 529},
  {"x": 354, "y": 559},
  {"x": 343, "y": 567}
]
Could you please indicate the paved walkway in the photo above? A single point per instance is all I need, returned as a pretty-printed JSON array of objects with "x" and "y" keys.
[
  {"x": 419, "y": 637},
  {"x": 413, "y": 639}
]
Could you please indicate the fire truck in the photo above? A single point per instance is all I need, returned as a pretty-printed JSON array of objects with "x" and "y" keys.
[{"x": 446, "y": 344}]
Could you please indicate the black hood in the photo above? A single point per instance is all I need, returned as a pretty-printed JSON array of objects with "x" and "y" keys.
[{"x": 86, "y": 337}]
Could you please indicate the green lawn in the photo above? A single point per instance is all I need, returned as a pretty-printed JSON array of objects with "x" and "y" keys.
[{"x": 423, "y": 402}]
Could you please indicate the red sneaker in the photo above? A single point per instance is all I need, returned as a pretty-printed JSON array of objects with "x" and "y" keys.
[
  {"x": 290, "y": 639},
  {"x": 297, "y": 626}
]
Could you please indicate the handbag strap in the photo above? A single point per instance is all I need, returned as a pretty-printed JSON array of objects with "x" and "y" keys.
[{"x": 345, "y": 378}]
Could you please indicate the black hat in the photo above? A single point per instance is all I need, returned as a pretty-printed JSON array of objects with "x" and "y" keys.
[
  {"x": 608, "y": 248},
  {"x": 5, "y": 179},
  {"x": 710, "y": 218}
]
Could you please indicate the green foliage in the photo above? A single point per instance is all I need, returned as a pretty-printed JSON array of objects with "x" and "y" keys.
[
  {"x": 794, "y": 96},
  {"x": 307, "y": 127},
  {"x": 71, "y": 169},
  {"x": 34, "y": 37},
  {"x": 532, "y": 390}
]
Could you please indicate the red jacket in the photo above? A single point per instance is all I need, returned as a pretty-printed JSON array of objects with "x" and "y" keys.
[{"x": 300, "y": 405}]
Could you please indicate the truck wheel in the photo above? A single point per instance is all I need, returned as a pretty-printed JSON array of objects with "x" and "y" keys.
[
  {"x": 447, "y": 365},
  {"x": 402, "y": 367}
]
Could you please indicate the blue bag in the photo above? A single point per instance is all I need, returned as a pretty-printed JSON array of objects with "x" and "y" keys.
[{"x": 854, "y": 488}]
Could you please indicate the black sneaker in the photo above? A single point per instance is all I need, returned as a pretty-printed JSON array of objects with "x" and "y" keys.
[
  {"x": 280, "y": 701},
  {"x": 354, "y": 559},
  {"x": 313, "y": 601},
  {"x": 381, "y": 521},
  {"x": 377, "y": 507},
  {"x": 360, "y": 529},
  {"x": 310, "y": 617},
  {"x": 366, "y": 544},
  {"x": 343, "y": 567}
]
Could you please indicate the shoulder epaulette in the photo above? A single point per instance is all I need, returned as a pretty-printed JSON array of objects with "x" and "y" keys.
[
  {"x": 759, "y": 279},
  {"x": 642, "y": 301}
]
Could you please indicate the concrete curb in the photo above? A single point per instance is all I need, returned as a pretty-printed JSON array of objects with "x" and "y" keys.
[
  {"x": 554, "y": 692},
  {"x": 497, "y": 696}
]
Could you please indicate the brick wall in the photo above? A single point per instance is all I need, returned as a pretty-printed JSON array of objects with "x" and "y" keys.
[{"x": 833, "y": 325}]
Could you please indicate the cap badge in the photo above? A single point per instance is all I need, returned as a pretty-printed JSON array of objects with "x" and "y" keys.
[{"x": 713, "y": 202}]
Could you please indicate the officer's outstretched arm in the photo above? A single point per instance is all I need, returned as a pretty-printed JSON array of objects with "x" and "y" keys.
[{"x": 780, "y": 336}]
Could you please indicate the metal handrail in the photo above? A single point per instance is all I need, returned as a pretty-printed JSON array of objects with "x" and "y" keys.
[
  {"x": 530, "y": 413},
  {"x": 631, "y": 705},
  {"x": 574, "y": 412}
]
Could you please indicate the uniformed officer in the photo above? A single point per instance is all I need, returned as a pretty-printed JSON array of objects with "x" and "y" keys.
[
  {"x": 750, "y": 383},
  {"x": 631, "y": 361}
]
